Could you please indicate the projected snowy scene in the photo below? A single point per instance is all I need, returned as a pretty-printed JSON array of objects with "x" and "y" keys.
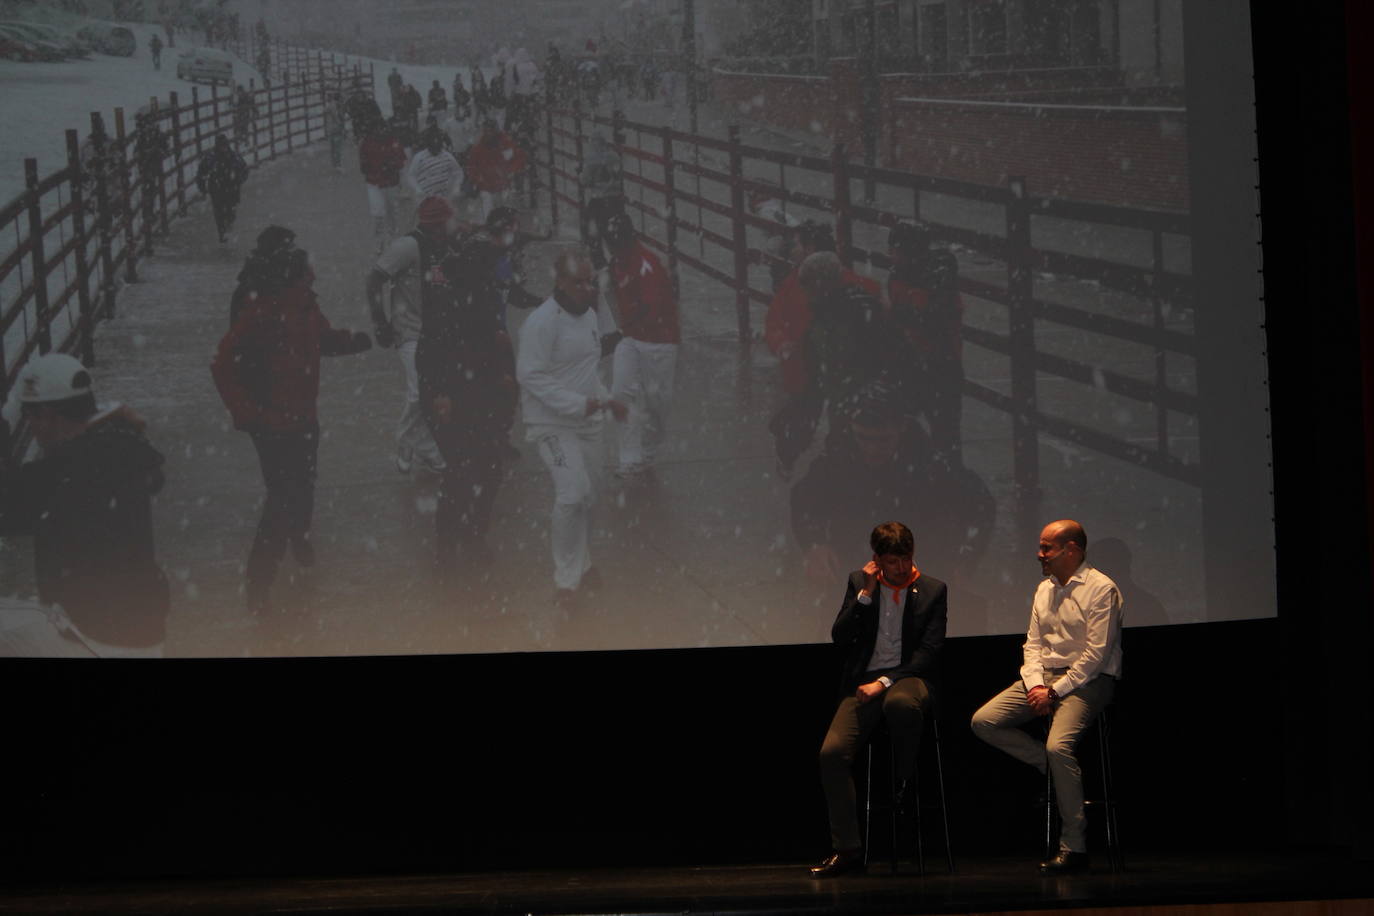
[{"x": 1041, "y": 146}]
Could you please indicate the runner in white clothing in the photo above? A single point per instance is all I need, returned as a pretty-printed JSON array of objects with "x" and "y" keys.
[
  {"x": 402, "y": 267},
  {"x": 564, "y": 406}
]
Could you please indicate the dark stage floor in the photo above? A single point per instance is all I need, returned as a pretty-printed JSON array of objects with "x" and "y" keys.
[{"x": 981, "y": 885}]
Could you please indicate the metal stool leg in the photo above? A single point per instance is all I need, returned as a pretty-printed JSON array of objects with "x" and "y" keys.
[
  {"x": 944, "y": 805},
  {"x": 892, "y": 812},
  {"x": 1049, "y": 792},
  {"x": 1114, "y": 853},
  {"x": 913, "y": 800},
  {"x": 868, "y": 800}
]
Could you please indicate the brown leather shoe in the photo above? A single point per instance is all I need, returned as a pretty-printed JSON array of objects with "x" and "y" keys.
[
  {"x": 839, "y": 863},
  {"x": 1065, "y": 863}
]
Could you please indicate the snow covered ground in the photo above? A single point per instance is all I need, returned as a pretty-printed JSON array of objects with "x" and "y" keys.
[{"x": 39, "y": 102}]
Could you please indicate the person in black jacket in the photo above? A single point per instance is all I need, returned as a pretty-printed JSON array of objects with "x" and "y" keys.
[
  {"x": 151, "y": 149},
  {"x": 890, "y": 629},
  {"x": 466, "y": 368},
  {"x": 221, "y": 175},
  {"x": 86, "y": 501}
]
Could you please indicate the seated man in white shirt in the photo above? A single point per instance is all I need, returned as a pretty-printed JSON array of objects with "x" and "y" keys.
[{"x": 1072, "y": 658}]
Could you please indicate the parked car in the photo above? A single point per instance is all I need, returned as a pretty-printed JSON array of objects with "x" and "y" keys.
[
  {"x": 37, "y": 49},
  {"x": 66, "y": 45},
  {"x": 15, "y": 50},
  {"x": 65, "y": 39},
  {"x": 207, "y": 65},
  {"x": 114, "y": 40}
]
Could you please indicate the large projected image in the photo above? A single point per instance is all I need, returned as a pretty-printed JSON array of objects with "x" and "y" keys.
[{"x": 512, "y": 332}]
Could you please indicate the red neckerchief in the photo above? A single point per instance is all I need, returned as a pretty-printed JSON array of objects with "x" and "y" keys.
[{"x": 897, "y": 589}]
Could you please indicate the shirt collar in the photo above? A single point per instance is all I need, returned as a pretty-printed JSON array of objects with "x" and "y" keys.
[{"x": 1080, "y": 575}]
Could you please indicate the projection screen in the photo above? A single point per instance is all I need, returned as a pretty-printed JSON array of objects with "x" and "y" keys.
[{"x": 1107, "y": 364}]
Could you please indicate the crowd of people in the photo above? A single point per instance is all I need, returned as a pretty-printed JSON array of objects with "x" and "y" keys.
[{"x": 875, "y": 369}]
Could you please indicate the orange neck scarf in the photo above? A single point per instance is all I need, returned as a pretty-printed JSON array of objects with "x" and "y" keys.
[{"x": 898, "y": 587}]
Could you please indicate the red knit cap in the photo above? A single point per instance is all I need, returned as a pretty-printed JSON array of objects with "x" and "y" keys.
[{"x": 433, "y": 210}]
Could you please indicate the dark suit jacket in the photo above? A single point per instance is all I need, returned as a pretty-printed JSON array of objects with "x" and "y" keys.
[{"x": 923, "y": 631}]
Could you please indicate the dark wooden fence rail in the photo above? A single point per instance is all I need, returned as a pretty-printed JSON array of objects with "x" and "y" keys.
[
  {"x": 77, "y": 234},
  {"x": 689, "y": 196}
]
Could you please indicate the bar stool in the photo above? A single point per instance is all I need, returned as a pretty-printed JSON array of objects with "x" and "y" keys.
[
  {"x": 914, "y": 799},
  {"x": 1107, "y": 801}
]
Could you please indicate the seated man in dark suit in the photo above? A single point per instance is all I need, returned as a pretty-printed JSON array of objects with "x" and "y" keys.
[{"x": 890, "y": 628}]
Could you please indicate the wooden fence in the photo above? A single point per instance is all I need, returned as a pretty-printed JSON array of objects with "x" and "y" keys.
[
  {"x": 1043, "y": 267},
  {"x": 80, "y": 232}
]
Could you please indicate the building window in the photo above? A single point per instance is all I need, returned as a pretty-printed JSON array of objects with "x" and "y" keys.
[
  {"x": 889, "y": 36},
  {"x": 1087, "y": 33},
  {"x": 1046, "y": 33},
  {"x": 932, "y": 34},
  {"x": 987, "y": 27}
]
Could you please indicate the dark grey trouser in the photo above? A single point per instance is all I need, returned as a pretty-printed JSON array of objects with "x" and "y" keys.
[
  {"x": 998, "y": 721},
  {"x": 903, "y": 706}
]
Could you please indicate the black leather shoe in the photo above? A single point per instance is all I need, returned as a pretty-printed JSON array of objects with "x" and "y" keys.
[
  {"x": 1065, "y": 863},
  {"x": 839, "y": 863}
]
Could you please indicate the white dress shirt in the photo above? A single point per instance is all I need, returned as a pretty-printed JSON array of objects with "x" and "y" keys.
[{"x": 1075, "y": 626}]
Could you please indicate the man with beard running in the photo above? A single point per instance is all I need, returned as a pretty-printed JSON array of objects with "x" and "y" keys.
[{"x": 564, "y": 405}]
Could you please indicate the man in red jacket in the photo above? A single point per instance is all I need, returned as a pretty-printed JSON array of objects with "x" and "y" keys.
[
  {"x": 267, "y": 370},
  {"x": 646, "y": 357},
  {"x": 381, "y": 158},
  {"x": 492, "y": 164},
  {"x": 785, "y": 326}
]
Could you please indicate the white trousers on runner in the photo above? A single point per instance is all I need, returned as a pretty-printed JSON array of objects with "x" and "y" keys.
[
  {"x": 490, "y": 200},
  {"x": 413, "y": 436},
  {"x": 573, "y": 456},
  {"x": 381, "y": 203},
  {"x": 643, "y": 381}
]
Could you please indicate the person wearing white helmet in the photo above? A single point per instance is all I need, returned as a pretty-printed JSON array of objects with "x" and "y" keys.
[{"x": 86, "y": 500}]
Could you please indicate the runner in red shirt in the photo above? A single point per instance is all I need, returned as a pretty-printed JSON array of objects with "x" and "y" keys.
[{"x": 646, "y": 357}]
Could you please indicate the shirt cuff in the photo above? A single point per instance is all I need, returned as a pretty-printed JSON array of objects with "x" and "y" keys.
[
  {"x": 885, "y": 681},
  {"x": 864, "y": 598},
  {"x": 1062, "y": 687}
]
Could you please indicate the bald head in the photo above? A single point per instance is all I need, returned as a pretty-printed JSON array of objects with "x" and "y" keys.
[
  {"x": 1067, "y": 530},
  {"x": 820, "y": 273},
  {"x": 1063, "y": 548},
  {"x": 574, "y": 280}
]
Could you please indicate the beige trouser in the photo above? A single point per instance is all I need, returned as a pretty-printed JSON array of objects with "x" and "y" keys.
[
  {"x": 903, "y": 706},
  {"x": 998, "y": 721}
]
